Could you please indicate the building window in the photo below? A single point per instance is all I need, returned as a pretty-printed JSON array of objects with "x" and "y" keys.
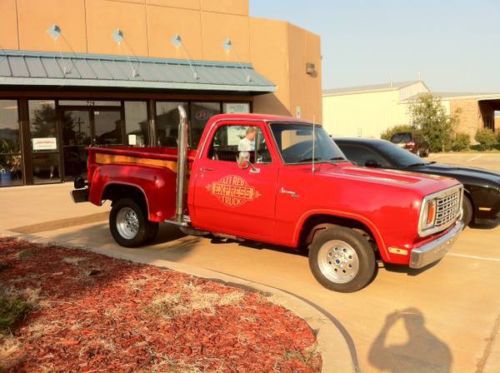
[
  {"x": 167, "y": 122},
  {"x": 11, "y": 170},
  {"x": 200, "y": 113},
  {"x": 43, "y": 130},
  {"x": 88, "y": 103},
  {"x": 136, "y": 123},
  {"x": 108, "y": 127},
  {"x": 236, "y": 107}
]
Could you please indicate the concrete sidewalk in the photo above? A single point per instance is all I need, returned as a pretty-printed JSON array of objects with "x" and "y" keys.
[{"x": 37, "y": 208}]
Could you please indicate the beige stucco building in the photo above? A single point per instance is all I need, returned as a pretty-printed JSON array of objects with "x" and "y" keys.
[
  {"x": 369, "y": 110},
  {"x": 75, "y": 72}
]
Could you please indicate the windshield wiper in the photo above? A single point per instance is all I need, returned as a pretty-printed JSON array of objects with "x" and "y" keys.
[
  {"x": 337, "y": 159},
  {"x": 310, "y": 159},
  {"x": 417, "y": 165}
]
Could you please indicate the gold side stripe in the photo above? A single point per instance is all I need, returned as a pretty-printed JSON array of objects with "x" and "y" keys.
[{"x": 125, "y": 159}]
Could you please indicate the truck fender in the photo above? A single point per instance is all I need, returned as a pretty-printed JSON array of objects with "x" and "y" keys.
[
  {"x": 148, "y": 190},
  {"x": 328, "y": 220}
]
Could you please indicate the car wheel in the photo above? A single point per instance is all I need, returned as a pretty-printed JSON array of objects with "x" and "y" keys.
[
  {"x": 467, "y": 211},
  {"x": 152, "y": 232},
  {"x": 342, "y": 260},
  {"x": 129, "y": 225}
]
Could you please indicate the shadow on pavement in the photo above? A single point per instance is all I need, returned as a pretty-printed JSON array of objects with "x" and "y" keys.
[{"x": 423, "y": 351}]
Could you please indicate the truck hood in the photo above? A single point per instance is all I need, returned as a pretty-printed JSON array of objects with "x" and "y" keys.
[{"x": 423, "y": 183}]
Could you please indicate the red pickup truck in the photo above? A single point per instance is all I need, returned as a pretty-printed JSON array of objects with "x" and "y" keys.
[{"x": 279, "y": 181}]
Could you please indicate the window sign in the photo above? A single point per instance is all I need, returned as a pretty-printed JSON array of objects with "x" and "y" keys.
[
  {"x": 44, "y": 143},
  {"x": 236, "y": 107}
]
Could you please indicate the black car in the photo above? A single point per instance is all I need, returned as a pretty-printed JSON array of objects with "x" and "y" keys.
[{"x": 482, "y": 187}]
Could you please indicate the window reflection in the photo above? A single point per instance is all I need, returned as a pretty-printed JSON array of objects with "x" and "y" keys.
[
  {"x": 10, "y": 144},
  {"x": 108, "y": 129},
  {"x": 136, "y": 123},
  {"x": 46, "y": 168},
  {"x": 43, "y": 128},
  {"x": 43, "y": 119},
  {"x": 167, "y": 122},
  {"x": 200, "y": 114}
]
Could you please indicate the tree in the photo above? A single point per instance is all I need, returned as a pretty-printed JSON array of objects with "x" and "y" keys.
[
  {"x": 461, "y": 142},
  {"x": 486, "y": 138},
  {"x": 388, "y": 133},
  {"x": 431, "y": 120}
]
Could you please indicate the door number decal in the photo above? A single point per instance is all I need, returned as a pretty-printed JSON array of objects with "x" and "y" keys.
[{"x": 233, "y": 191}]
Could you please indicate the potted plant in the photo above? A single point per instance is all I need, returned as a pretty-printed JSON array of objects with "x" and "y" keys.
[{"x": 10, "y": 164}]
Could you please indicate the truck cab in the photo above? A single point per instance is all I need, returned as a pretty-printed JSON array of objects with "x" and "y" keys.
[{"x": 279, "y": 181}]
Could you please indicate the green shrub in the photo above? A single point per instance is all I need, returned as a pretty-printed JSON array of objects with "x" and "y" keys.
[
  {"x": 388, "y": 133},
  {"x": 12, "y": 311},
  {"x": 461, "y": 142},
  {"x": 486, "y": 138},
  {"x": 498, "y": 136}
]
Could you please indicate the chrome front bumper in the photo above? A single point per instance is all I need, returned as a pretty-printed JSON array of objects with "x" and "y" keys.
[{"x": 435, "y": 250}]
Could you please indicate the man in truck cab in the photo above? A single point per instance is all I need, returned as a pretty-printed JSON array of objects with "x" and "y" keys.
[{"x": 247, "y": 144}]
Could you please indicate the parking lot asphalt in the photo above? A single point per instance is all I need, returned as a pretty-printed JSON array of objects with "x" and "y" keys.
[
  {"x": 446, "y": 318},
  {"x": 489, "y": 161}
]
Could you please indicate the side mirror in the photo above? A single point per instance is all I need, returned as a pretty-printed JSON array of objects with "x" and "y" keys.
[
  {"x": 372, "y": 163},
  {"x": 243, "y": 164}
]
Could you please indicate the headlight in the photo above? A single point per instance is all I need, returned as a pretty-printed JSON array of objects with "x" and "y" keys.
[{"x": 428, "y": 216}]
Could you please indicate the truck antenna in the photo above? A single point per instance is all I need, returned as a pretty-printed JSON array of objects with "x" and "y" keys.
[{"x": 314, "y": 144}]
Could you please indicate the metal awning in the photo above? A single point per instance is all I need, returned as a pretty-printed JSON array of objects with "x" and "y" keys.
[{"x": 21, "y": 68}]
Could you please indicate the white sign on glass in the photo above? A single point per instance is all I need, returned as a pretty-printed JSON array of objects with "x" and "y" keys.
[
  {"x": 236, "y": 107},
  {"x": 44, "y": 143}
]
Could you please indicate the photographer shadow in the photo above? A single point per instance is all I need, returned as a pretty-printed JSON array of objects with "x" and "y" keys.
[{"x": 423, "y": 352}]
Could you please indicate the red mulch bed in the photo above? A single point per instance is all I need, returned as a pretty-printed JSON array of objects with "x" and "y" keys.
[{"x": 94, "y": 313}]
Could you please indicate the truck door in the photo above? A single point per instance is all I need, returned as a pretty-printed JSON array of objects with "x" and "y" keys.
[{"x": 230, "y": 199}]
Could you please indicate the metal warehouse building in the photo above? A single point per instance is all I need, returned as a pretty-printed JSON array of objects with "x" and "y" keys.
[
  {"x": 367, "y": 111},
  {"x": 75, "y": 73}
]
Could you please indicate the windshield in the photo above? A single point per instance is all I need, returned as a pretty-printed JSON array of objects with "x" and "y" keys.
[
  {"x": 403, "y": 158},
  {"x": 295, "y": 143}
]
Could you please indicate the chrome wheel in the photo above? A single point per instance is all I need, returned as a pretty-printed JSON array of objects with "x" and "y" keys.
[
  {"x": 127, "y": 223},
  {"x": 338, "y": 261}
]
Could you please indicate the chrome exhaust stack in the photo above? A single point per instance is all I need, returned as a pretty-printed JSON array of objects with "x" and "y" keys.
[{"x": 182, "y": 154}]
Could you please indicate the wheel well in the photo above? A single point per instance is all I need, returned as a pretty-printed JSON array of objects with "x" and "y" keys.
[
  {"x": 468, "y": 195},
  {"x": 317, "y": 223},
  {"x": 115, "y": 192}
]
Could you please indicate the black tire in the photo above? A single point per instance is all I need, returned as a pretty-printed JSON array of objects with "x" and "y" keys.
[
  {"x": 144, "y": 231},
  {"x": 350, "y": 240},
  {"x": 468, "y": 211},
  {"x": 152, "y": 231}
]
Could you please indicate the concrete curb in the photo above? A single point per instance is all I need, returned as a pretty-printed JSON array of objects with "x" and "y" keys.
[{"x": 335, "y": 351}]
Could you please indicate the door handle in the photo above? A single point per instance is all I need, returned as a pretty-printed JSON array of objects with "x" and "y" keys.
[
  {"x": 291, "y": 193},
  {"x": 206, "y": 169}
]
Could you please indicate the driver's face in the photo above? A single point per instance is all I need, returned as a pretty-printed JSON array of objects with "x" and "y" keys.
[{"x": 251, "y": 136}]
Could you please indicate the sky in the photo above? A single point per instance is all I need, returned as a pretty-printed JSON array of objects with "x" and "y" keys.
[{"x": 454, "y": 44}]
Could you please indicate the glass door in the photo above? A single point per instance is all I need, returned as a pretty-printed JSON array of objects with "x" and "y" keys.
[
  {"x": 77, "y": 135},
  {"x": 44, "y": 141}
]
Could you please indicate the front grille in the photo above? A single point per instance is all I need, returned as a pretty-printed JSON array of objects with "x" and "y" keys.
[{"x": 447, "y": 209}]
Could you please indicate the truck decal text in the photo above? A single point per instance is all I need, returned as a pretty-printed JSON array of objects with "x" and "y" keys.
[{"x": 233, "y": 191}]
